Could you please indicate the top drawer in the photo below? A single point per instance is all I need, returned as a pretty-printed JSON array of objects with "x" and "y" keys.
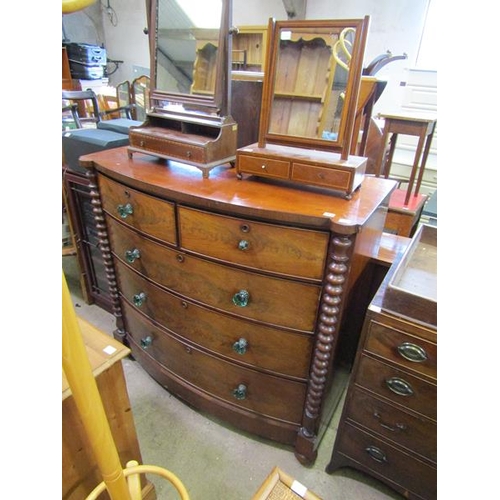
[
  {"x": 145, "y": 213},
  {"x": 411, "y": 352},
  {"x": 294, "y": 252}
]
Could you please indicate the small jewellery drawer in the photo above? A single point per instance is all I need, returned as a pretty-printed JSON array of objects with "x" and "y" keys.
[
  {"x": 279, "y": 249},
  {"x": 417, "y": 434},
  {"x": 262, "y": 166},
  {"x": 247, "y": 343},
  {"x": 383, "y": 459},
  {"x": 398, "y": 386},
  {"x": 333, "y": 178},
  {"x": 176, "y": 146},
  {"x": 143, "y": 212},
  {"x": 406, "y": 350},
  {"x": 257, "y": 392},
  {"x": 251, "y": 295}
]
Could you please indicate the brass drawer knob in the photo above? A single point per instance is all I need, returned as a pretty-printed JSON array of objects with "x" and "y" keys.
[
  {"x": 139, "y": 299},
  {"x": 399, "y": 386},
  {"x": 125, "y": 210},
  {"x": 241, "y": 298},
  {"x": 240, "y": 392},
  {"x": 240, "y": 346},
  {"x": 412, "y": 352},
  {"x": 146, "y": 341},
  {"x": 132, "y": 255}
]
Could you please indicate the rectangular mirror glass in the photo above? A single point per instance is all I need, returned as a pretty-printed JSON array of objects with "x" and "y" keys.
[{"x": 313, "y": 83}]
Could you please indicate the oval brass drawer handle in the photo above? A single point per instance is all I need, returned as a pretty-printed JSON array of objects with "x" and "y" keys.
[
  {"x": 146, "y": 341},
  {"x": 132, "y": 255},
  {"x": 240, "y": 392},
  {"x": 241, "y": 298},
  {"x": 376, "y": 453},
  {"x": 399, "y": 386},
  {"x": 412, "y": 352},
  {"x": 125, "y": 210},
  {"x": 240, "y": 346},
  {"x": 139, "y": 299}
]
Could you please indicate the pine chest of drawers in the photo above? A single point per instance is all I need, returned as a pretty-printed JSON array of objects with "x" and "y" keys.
[
  {"x": 389, "y": 420},
  {"x": 231, "y": 294}
]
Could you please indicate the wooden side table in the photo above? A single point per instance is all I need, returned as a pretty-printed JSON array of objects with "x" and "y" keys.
[
  {"x": 80, "y": 473},
  {"x": 421, "y": 126}
]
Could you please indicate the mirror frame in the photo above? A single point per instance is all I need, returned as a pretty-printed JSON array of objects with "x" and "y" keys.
[
  {"x": 343, "y": 143},
  {"x": 216, "y": 105}
]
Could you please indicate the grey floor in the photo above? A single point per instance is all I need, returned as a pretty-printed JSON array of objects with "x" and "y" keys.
[{"x": 215, "y": 461}]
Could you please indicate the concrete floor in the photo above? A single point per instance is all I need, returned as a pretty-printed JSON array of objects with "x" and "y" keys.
[{"x": 215, "y": 461}]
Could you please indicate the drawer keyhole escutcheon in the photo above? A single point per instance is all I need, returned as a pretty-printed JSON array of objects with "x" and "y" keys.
[
  {"x": 412, "y": 352},
  {"x": 393, "y": 428},
  {"x": 125, "y": 210},
  {"x": 240, "y": 392},
  {"x": 146, "y": 341},
  {"x": 139, "y": 299},
  {"x": 245, "y": 228},
  {"x": 132, "y": 255},
  {"x": 243, "y": 245},
  {"x": 376, "y": 453},
  {"x": 240, "y": 346},
  {"x": 180, "y": 258},
  {"x": 399, "y": 386},
  {"x": 241, "y": 298}
]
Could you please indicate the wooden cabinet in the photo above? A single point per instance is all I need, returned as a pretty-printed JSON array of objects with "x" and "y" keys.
[
  {"x": 93, "y": 279},
  {"x": 80, "y": 472},
  {"x": 388, "y": 424},
  {"x": 249, "y": 48},
  {"x": 231, "y": 294}
]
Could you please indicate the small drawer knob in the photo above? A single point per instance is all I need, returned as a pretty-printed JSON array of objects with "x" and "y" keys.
[
  {"x": 412, "y": 352},
  {"x": 240, "y": 346},
  {"x": 139, "y": 299},
  {"x": 243, "y": 245},
  {"x": 132, "y": 255},
  {"x": 146, "y": 341},
  {"x": 399, "y": 386},
  {"x": 125, "y": 210},
  {"x": 241, "y": 298},
  {"x": 240, "y": 392}
]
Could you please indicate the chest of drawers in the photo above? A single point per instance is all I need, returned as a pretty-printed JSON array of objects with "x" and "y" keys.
[
  {"x": 231, "y": 294},
  {"x": 389, "y": 421}
]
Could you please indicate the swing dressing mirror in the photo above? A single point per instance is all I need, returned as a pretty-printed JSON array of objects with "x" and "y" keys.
[
  {"x": 313, "y": 83},
  {"x": 310, "y": 94},
  {"x": 189, "y": 120}
]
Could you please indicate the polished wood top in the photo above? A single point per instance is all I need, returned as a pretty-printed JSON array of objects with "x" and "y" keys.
[{"x": 261, "y": 198}]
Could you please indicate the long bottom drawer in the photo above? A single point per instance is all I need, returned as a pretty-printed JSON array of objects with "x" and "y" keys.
[
  {"x": 279, "y": 431},
  {"x": 250, "y": 389},
  {"x": 405, "y": 473}
]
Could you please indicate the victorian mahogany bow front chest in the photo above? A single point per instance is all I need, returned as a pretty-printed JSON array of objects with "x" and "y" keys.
[{"x": 231, "y": 293}]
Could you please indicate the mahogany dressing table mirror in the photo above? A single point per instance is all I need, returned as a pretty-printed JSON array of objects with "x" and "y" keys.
[
  {"x": 310, "y": 93},
  {"x": 189, "y": 118}
]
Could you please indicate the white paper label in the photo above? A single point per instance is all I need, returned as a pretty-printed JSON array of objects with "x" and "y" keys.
[
  {"x": 109, "y": 349},
  {"x": 299, "y": 488}
]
